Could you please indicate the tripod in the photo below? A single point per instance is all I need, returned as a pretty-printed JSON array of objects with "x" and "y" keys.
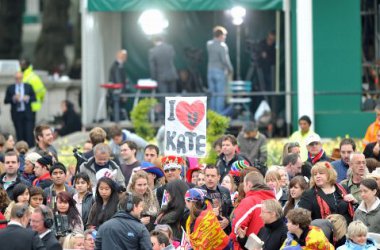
[{"x": 256, "y": 73}]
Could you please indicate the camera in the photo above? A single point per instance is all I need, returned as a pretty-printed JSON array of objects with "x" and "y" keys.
[
  {"x": 252, "y": 47},
  {"x": 61, "y": 223},
  {"x": 79, "y": 157}
]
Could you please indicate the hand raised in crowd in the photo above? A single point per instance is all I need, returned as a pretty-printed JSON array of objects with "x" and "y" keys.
[{"x": 145, "y": 220}]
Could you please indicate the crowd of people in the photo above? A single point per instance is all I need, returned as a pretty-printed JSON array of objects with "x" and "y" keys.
[{"x": 116, "y": 199}]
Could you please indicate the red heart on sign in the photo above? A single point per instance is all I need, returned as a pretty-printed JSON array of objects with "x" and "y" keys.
[{"x": 190, "y": 115}]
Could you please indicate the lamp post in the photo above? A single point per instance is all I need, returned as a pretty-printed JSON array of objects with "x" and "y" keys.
[{"x": 238, "y": 14}]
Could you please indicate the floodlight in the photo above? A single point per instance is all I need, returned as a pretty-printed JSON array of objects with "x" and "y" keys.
[
  {"x": 238, "y": 14},
  {"x": 153, "y": 22}
]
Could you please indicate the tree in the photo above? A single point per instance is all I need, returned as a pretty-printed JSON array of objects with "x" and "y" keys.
[
  {"x": 11, "y": 28},
  {"x": 49, "y": 51}
]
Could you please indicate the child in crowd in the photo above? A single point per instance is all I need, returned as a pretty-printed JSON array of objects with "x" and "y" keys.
[{"x": 36, "y": 197}]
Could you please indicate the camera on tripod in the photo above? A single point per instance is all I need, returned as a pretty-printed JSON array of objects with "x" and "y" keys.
[
  {"x": 253, "y": 48},
  {"x": 193, "y": 54}
]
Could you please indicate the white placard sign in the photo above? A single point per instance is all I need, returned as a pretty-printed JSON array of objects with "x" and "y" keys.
[{"x": 185, "y": 126}]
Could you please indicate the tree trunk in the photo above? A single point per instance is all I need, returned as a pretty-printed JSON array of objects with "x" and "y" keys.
[
  {"x": 11, "y": 28},
  {"x": 50, "y": 47}
]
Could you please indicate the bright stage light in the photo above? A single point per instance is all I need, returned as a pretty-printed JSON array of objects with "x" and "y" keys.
[
  {"x": 153, "y": 22},
  {"x": 238, "y": 14}
]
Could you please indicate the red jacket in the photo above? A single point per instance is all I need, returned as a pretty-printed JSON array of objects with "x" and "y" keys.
[
  {"x": 247, "y": 213},
  {"x": 2, "y": 218}
]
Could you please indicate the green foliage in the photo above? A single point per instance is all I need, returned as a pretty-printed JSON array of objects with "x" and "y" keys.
[
  {"x": 140, "y": 119},
  {"x": 217, "y": 126},
  {"x": 275, "y": 147}
]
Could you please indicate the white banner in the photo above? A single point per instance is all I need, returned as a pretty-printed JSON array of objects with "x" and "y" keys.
[{"x": 185, "y": 126}]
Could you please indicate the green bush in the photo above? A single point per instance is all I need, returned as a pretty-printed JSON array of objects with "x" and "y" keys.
[
  {"x": 217, "y": 126},
  {"x": 140, "y": 118}
]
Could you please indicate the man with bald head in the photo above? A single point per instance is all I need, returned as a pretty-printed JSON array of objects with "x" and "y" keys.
[
  {"x": 357, "y": 172},
  {"x": 20, "y": 95}
]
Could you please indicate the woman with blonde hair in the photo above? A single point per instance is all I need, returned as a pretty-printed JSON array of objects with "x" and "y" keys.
[
  {"x": 325, "y": 195},
  {"x": 272, "y": 179},
  {"x": 139, "y": 187},
  {"x": 339, "y": 229},
  {"x": 73, "y": 241},
  {"x": 357, "y": 238}
]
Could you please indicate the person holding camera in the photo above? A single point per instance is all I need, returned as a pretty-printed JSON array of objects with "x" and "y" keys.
[
  {"x": 124, "y": 230},
  {"x": 16, "y": 236},
  {"x": 42, "y": 221}
]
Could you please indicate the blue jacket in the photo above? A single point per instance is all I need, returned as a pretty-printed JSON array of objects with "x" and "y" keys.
[
  {"x": 123, "y": 231},
  {"x": 353, "y": 246},
  {"x": 341, "y": 169}
]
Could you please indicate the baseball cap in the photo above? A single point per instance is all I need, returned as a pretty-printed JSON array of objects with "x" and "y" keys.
[{"x": 313, "y": 138}]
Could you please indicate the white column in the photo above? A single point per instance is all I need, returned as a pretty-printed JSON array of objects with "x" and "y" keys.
[
  {"x": 32, "y": 7},
  {"x": 305, "y": 66},
  {"x": 288, "y": 65},
  {"x": 99, "y": 45}
]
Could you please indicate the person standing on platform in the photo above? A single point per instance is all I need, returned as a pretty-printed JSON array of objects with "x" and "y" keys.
[
  {"x": 117, "y": 75},
  {"x": 20, "y": 95},
  {"x": 219, "y": 65},
  {"x": 162, "y": 69}
]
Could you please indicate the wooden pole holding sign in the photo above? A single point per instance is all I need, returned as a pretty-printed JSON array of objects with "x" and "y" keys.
[{"x": 185, "y": 126}]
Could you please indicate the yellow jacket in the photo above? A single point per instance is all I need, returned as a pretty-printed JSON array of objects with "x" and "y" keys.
[
  {"x": 37, "y": 85},
  {"x": 315, "y": 240},
  {"x": 297, "y": 136}
]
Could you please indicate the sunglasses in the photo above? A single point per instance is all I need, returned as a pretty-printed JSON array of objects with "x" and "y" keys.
[{"x": 170, "y": 170}]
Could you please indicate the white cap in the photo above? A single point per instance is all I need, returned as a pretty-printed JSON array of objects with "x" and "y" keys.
[
  {"x": 105, "y": 172},
  {"x": 313, "y": 138}
]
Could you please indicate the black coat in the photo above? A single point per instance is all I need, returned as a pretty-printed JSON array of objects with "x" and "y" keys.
[
  {"x": 9, "y": 190},
  {"x": 309, "y": 202},
  {"x": 87, "y": 202},
  {"x": 225, "y": 167},
  {"x": 273, "y": 234},
  {"x": 123, "y": 231},
  {"x": 71, "y": 123},
  {"x": 51, "y": 242},
  {"x": 117, "y": 73},
  {"x": 28, "y": 90},
  {"x": 368, "y": 151},
  {"x": 18, "y": 238},
  {"x": 226, "y": 204}
]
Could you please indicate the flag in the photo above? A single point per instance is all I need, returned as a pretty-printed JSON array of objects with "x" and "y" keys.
[{"x": 185, "y": 245}]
